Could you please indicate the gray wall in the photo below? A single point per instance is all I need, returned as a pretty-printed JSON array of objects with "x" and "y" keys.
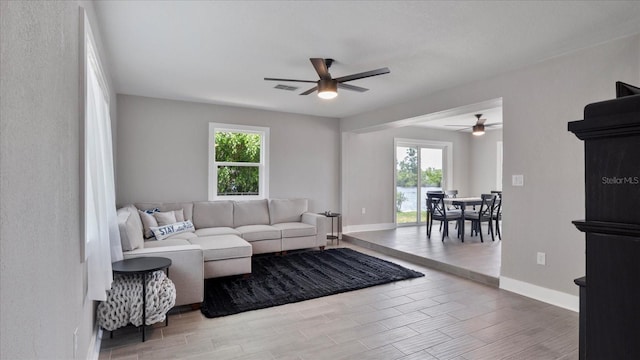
[
  {"x": 162, "y": 151},
  {"x": 538, "y": 101},
  {"x": 369, "y": 165},
  {"x": 42, "y": 281},
  {"x": 483, "y": 155}
]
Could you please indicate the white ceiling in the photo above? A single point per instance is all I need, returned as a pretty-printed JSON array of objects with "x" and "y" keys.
[{"x": 219, "y": 52}]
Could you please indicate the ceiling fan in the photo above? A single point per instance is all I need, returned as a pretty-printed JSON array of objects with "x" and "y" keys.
[
  {"x": 327, "y": 86},
  {"x": 478, "y": 128}
]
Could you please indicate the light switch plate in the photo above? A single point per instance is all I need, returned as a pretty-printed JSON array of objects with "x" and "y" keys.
[
  {"x": 541, "y": 258},
  {"x": 517, "y": 180}
]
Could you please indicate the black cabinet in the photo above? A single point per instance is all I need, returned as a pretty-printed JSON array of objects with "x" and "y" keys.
[{"x": 611, "y": 134}]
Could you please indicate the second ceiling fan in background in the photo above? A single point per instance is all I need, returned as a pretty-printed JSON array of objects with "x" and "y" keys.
[
  {"x": 327, "y": 86},
  {"x": 478, "y": 128}
]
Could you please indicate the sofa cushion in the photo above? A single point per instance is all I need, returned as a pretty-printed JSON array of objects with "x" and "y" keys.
[
  {"x": 187, "y": 208},
  {"x": 296, "y": 229},
  {"x": 250, "y": 212},
  {"x": 287, "y": 210},
  {"x": 209, "y": 214},
  {"x": 130, "y": 228},
  {"x": 167, "y": 242},
  {"x": 165, "y": 231},
  {"x": 184, "y": 236},
  {"x": 259, "y": 232},
  {"x": 217, "y": 231},
  {"x": 165, "y": 218},
  {"x": 223, "y": 247}
]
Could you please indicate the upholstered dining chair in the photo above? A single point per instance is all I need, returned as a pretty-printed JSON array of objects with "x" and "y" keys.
[
  {"x": 440, "y": 213},
  {"x": 484, "y": 214}
]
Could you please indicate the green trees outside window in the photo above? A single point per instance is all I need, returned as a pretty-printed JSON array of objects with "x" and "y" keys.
[
  {"x": 238, "y": 155},
  {"x": 408, "y": 168}
]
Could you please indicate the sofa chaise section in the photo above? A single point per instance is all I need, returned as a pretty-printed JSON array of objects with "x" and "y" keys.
[{"x": 224, "y": 255}]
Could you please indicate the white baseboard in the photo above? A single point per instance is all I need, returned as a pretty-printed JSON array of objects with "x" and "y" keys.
[
  {"x": 368, "y": 227},
  {"x": 94, "y": 345},
  {"x": 550, "y": 296}
]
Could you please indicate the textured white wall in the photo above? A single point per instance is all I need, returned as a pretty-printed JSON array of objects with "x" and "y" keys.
[
  {"x": 162, "y": 151},
  {"x": 538, "y": 101},
  {"x": 42, "y": 278}
]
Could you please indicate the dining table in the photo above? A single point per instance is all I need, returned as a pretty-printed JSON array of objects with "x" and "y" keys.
[{"x": 462, "y": 203}]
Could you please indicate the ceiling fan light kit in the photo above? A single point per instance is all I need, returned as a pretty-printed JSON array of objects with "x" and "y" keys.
[
  {"x": 327, "y": 89},
  {"x": 478, "y": 130},
  {"x": 327, "y": 86}
]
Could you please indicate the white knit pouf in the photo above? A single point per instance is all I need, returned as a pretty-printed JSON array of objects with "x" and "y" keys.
[{"x": 124, "y": 300}]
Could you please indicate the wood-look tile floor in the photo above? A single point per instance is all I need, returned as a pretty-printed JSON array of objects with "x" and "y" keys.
[
  {"x": 438, "y": 316},
  {"x": 471, "y": 259}
]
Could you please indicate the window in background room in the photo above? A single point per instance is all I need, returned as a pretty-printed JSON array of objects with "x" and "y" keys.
[
  {"x": 238, "y": 166},
  {"x": 421, "y": 166}
]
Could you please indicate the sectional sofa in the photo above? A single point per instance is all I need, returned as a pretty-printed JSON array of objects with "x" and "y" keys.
[{"x": 216, "y": 238}]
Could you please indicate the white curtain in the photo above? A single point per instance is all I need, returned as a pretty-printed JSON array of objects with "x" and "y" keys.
[{"x": 102, "y": 246}]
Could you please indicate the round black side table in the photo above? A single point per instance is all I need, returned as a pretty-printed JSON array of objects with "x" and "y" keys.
[{"x": 144, "y": 266}]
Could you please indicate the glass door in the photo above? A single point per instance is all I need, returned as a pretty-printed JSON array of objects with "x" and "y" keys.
[
  {"x": 418, "y": 170},
  {"x": 407, "y": 199}
]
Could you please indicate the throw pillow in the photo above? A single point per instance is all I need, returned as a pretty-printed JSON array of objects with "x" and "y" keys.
[
  {"x": 148, "y": 221},
  {"x": 165, "y": 218},
  {"x": 130, "y": 228},
  {"x": 286, "y": 210},
  {"x": 163, "y": 232},
  {"x": 179, "y": 215}
]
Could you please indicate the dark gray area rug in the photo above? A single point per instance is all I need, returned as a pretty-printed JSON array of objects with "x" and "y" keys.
[{"x": 278, "y": 280}]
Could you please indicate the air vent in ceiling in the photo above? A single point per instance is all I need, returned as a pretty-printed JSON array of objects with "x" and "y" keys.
[{"x": 286, "y": 87}]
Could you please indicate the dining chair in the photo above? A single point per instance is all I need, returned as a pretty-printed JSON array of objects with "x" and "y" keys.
[
  {"x": 439, "y": 212},
  {"x": 429, "y": 206},
  {"x": 496, "y": 214},
  {"x": 484, "y": 214},
  {"x": 451, "y": 194}
]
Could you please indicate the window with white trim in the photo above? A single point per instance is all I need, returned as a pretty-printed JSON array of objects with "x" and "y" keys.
[{"x": 238, "y": 162}]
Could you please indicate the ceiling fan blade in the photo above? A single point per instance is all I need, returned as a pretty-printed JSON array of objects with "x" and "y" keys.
[
  {"x": 321, "y": 68},
  {"x": 481, "y": 121},
  {"x": 363, "y": 75},
  {"x": 493, "y": 124},
  {"x": 291, "y": 80},
  {"x": 458, "y": 125},
  {"x": 352, "y": 87},
  {"x": 309, "y": 91}
]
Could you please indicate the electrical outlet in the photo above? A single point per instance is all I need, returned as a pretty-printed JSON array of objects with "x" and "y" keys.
[
  {"x": 542, "y": 258},
  {"x": 364, "y": 211},
  {"x": 517, "y": 180}
]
